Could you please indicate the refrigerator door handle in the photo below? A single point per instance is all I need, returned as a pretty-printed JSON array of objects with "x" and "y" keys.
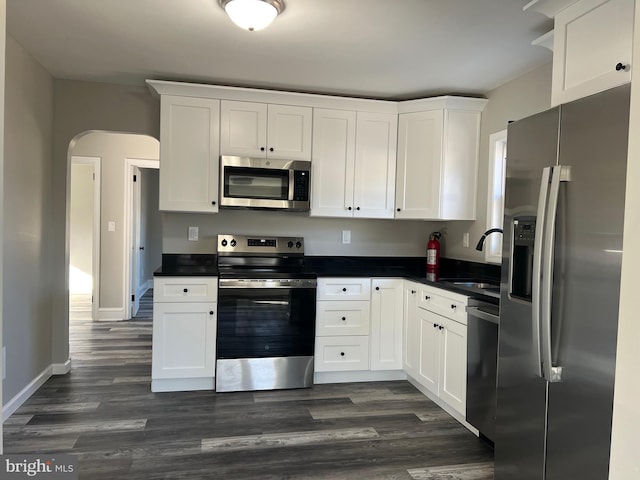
[
  {"x": 537, "y": 267},
  {"x": 559, "y": 173}
]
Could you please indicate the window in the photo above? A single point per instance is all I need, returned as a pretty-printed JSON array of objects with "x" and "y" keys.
[{"x": 495, "y": 204}]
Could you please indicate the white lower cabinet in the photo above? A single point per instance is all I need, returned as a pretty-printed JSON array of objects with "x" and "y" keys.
[
  {"x": 184, "y": 334},
  {"x": 359, "y": 327},
  {"x": 435, "y": 342}
]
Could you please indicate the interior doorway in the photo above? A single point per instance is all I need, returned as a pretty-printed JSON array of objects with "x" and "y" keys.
[{"x": 84, "y": 244}]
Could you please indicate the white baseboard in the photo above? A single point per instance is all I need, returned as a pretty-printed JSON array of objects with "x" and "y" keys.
[
  {"x": 111, "y": 314},
  {"x": 12, "y": 405},
  {"x": 61, "y": 368},
  {"x": 182, "y": 384},
  {"x": 358, "y": 376}
]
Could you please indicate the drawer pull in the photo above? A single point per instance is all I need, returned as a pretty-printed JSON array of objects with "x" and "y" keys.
[
  {"x": 435, "y": 325},
  {"x": 344, "y": 289},
  {"x": 185, "y": 290},
  {"x": 377, "y": 288},
  {"x": 344, "y": 319},
  {"x": 342, "y": 354},
  {"x": 413, "y": 292},
  {"x": 210, "y": 312},
  {"x": 453, "y": 306},
  {"x": 427, "y": 297},
  {"x": 440, "y": 327}
]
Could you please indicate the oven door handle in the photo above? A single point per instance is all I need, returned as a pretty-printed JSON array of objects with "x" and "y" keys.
[{"x": 267, "y": 283}]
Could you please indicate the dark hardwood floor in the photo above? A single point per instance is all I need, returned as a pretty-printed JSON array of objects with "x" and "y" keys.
[{"x": 104, "y": 412}]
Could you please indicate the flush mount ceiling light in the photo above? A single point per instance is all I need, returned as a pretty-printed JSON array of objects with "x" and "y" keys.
[{"x": 252, "y": 14}]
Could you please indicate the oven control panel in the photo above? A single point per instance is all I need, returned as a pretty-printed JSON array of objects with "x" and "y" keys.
[{"x": 240, "y": 244}]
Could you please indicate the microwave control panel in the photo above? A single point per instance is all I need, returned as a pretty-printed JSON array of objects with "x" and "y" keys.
[{"x": 301, "y": 185}]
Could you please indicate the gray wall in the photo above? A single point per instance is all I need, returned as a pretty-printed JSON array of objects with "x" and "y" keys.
[
  {"x": 28, "y": 228},
  {"x": 519, "y": 98},
  {"x": 81, "y": 226},
  {"x": 80, "y": 107}
]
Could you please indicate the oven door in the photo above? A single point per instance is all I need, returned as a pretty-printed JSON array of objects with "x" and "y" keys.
[{"x": 265, "y": 334}]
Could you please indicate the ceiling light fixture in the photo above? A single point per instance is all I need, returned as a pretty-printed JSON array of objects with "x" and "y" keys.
[{"x": 252, "y": 14}]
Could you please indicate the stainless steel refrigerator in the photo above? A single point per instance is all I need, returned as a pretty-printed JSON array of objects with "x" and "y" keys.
[{"x": 564, "y": 209}]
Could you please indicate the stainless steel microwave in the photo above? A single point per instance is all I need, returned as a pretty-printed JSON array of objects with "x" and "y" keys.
[{"x": 264, "y": 183}]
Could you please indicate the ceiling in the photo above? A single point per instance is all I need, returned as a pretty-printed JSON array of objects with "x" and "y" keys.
[{"x": 390, "y": 49}]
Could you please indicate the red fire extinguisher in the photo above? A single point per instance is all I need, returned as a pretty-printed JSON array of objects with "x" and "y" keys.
[{"x": 433, "y": 255}]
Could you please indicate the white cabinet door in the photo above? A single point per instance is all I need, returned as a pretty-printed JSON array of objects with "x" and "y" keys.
[
  {"x": 243, "y": 129},
  {"x": 453, "y": 364},
  {"x": 184, "y": 340},
  {"x": 387, "y": 298},
  {"x": 344, "y": 288},
  {"x": 333, "y": 161},
  {"x": 261, "y": 130},
  {"x": 340, "y": 354},
  {"x": 340, "y": 317},
  {"x": 411, "y": 336},
  {"x": 591, "y": 37},
  {"x": 289, "y": 132},
  {"x": 418, "y": 182},
  {"x": 429, "y": 366},
  {"x": 375, "y": 166},
  {"x": 189, "y": 152}
]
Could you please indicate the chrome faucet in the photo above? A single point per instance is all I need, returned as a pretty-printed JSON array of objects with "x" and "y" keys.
[{"x": 480, "y": 244}]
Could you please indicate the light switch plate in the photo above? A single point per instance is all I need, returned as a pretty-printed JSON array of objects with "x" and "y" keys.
[
  {"x": 193, "y": 234},
  {"x": 346, "y": 236},
  {"x": 111, "y": 226},
  {"x": 465, "y": 240}
]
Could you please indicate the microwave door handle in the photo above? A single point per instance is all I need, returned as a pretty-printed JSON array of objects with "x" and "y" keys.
[
  {"x": 537, "y": 268},
  {"x": 291, "y": 184}
]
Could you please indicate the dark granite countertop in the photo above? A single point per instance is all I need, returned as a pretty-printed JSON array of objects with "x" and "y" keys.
[{"x": 410, "y": 268}]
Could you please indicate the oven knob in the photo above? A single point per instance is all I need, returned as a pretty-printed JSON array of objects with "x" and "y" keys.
[
  {"x": 233, "y": 243},
  {"x": 223, "y": 243},
  {"x": 290, "y": 244},
  {"x": 298, "y": 244}
]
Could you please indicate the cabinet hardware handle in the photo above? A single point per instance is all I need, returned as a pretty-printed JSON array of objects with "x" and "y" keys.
[
  {"x": 440, "y": 327},
  {"x": 453, "y": 306},
  {"x": 185, "y": 290},
  {"x": 271, "y": 149},
  {"x": 413, "y": 292},
  {"x": 349, "y": 208},
  {"x": 213, "y": 202},
  {"x": 427, "y": 297},
  {"x": 210, "y": 312},
  {"x": 357, "y": 208},
  {"x": 620, "y": 66},
  {"x": 342, "y": 354},
  {"x": 262, "y": 149},
  {"x": 377, "y": 288},
  {"x": 344, "y": 289},
  {"x": 435, "y": 325},
  {"x": 397, "y": 209},
  {"x": 344, "y": 318}
]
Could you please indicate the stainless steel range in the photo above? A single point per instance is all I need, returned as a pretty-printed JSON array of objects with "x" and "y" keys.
[{"x": 266, "y": 314}]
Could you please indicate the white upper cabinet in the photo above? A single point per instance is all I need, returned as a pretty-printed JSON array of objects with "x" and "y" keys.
[
  {"x": 264, "y": 130},
  {"x": 189, "y": 152},
  {"x": 592, "y": 48},
  {"x": 438, "y": 142},
  {"x": 353, "y": 166}
]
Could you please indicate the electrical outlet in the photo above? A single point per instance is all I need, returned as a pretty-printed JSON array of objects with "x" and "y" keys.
[
  {"x": 193, "y": 234},
  {"x": 346, "y": 236},
  {"x": 465, "y": 239}
]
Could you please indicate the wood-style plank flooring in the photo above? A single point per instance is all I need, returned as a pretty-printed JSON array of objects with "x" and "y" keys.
[{"x": 104, "y": 412}]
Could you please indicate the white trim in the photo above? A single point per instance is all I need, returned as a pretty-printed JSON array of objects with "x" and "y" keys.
[
  {"x": 23, "y": 395},
  {"x": 129, "y": 165},
  {"x": 115, "y": 314},
  {"x": 358, "y": 376},
  {"x": 182, "y": 384},
  {"x": 96, "y": 163},
  {"x": 494, "y": 140},
  {"x": 61, "y": 368}
]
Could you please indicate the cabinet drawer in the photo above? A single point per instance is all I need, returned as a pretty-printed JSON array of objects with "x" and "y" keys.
[
  {"x": 338, "y": 317},
  {"x": 443, "y": 302},
  {"x": 335, "y": 354},
  {"x": 344, "y": 289},
  {"x": 185, "y": 289}
]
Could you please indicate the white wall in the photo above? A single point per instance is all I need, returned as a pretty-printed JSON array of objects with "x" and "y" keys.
[
  {"x": 323, "y": 236},
  {"x": 81, "y": 229},
  {"x": 27, "y": 251},
  {"x": 519, "y": 98},
  {"x": 113, "y": 149}
]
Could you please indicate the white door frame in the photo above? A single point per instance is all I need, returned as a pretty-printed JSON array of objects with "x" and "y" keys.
[
  {"x": 95, "y": 162},
  {"x": 130, "y": 165}
]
